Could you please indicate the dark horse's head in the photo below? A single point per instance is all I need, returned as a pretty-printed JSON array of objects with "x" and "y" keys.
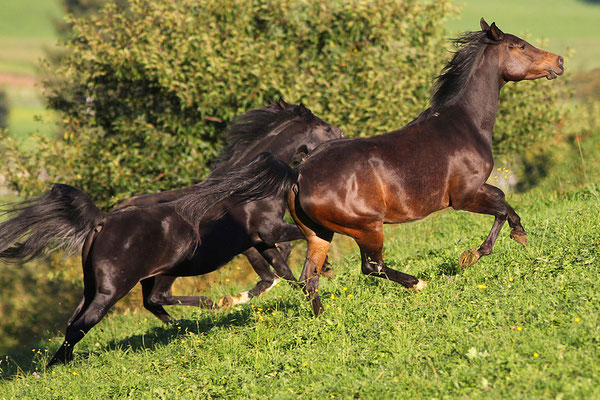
[
  {"x": 288, "y": 131},
  {"x": 520, "y": 60}
]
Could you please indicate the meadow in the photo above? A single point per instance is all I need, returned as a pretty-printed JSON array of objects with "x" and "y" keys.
[{"x": 521, "y": 323}]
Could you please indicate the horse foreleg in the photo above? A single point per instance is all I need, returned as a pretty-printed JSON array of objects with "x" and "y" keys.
[
  {"x": 490, "y": 200},
  {"x": 156, "y": 292},
  {"x": 267, "y": 280},
  {"x": 514, "y": 221}
]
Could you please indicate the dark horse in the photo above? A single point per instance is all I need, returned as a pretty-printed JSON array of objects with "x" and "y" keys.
[
  {"x": 271, "y": 130},
  {"x": 441, "y": 159},
  {"x": 153, "y": 244}
]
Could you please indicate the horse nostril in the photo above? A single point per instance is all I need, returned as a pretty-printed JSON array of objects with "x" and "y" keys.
[{"x": 560, "y": 61}]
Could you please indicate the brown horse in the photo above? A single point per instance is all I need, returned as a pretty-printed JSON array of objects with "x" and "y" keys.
[{"x": 441, "y": 159}]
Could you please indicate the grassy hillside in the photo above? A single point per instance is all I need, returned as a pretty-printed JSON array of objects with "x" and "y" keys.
[
  {"x": 25, "y": 29},
  {"x": 522, "y": 323}
]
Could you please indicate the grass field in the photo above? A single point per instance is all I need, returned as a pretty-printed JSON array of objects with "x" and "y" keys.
[
  {"x": 26, "y": 31},
  {"x": 26, "y": 27}
]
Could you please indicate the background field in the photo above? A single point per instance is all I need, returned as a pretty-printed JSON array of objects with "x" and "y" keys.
[{"x": 522, "y": 323}]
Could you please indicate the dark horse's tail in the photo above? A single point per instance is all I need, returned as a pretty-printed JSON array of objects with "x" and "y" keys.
[
  {"x": 62, "y": 218},
  {"x": 264, "y": 176}
]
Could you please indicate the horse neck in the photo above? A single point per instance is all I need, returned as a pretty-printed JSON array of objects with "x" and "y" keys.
[{"x": 480, "y": 97}]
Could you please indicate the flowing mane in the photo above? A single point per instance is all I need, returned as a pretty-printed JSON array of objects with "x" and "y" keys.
[
  {"x": 255, "y": 125},
  {"x": 451, "y": 83}
]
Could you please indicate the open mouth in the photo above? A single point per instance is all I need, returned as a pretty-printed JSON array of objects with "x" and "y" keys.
[{"x": 551, "y": 75}]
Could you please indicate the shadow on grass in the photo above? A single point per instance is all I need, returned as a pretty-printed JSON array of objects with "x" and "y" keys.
[
  {"x": 441, "y": 263},
  {"x": 449, "y": 268},
  {"x": 21, "y": 362}
]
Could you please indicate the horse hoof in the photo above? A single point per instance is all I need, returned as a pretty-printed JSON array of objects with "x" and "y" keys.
[
  {"x": 419, "y": 286},
  {"x": 327, "y": 273},
  {"x": 519, "y": 237},
  {"x": 226, "y": 301},
  {"x": 468, "y": 258}
]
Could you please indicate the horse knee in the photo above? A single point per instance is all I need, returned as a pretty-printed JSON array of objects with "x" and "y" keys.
[{"x": 154, "y": 300}]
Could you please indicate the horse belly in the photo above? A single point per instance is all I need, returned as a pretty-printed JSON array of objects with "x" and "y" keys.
[
  {"x": 219, "y": 245},
  {"x": 412, "y": 204}
]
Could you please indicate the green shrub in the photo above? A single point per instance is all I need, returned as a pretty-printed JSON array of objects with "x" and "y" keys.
[{"x": 145, "y": 92}]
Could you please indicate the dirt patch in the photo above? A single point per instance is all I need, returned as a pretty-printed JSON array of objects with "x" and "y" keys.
[{"x": 17, "y": 80}]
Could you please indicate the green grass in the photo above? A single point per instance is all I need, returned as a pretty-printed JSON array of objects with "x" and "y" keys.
[
  {"x": 26, "y": 27},
  {"x": 565, "y": 24},
  {"x": 26, "y": 31}
]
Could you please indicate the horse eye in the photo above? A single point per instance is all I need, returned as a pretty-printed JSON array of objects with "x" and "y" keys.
[{"x": 523, "y": 46}]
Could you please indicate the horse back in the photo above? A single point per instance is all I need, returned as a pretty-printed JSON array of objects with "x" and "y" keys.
[{"x": 396, "y": 177}]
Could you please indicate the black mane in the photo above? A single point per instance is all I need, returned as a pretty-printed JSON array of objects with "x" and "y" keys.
[
  {"x": 453, "y": 80},
  {"x": 255, "y": 125}
]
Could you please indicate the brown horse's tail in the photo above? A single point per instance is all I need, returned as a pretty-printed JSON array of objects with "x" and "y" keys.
[
  {"x": 60, "y": 218},
  {"x": 264, "y": 176}
]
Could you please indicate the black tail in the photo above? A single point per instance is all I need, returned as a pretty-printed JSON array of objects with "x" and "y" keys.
[
  {"x": 264, "y": 176},
  {"x": 62, "y": 217}
]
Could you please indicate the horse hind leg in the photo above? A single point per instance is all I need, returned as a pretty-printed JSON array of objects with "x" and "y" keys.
[
  {"x": 89, "y": 312},
  {"x": 316, "y": 252},
  {"x": 290, "y": 232},
  {"x": 371, "y": 244},
  {"x": 318, "y": 240}
]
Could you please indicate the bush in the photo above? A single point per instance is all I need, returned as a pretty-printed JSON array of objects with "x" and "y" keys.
[{"x": 145, "y": 92}]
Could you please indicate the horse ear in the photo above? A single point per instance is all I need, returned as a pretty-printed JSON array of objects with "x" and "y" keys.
[
  {"x": 304, "y": 112},
  {"x": 484, "y": 25},
  {"x": 496, "y": 33},
  {"x": 301, "y": 109},
  {"x": 282, "y": 103}
]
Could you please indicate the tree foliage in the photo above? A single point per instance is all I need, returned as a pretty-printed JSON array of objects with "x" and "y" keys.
[{"x": 145, "y": 90}]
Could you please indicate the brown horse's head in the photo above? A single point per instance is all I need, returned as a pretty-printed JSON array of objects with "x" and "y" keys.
[{"x": 520, "y": 60}]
